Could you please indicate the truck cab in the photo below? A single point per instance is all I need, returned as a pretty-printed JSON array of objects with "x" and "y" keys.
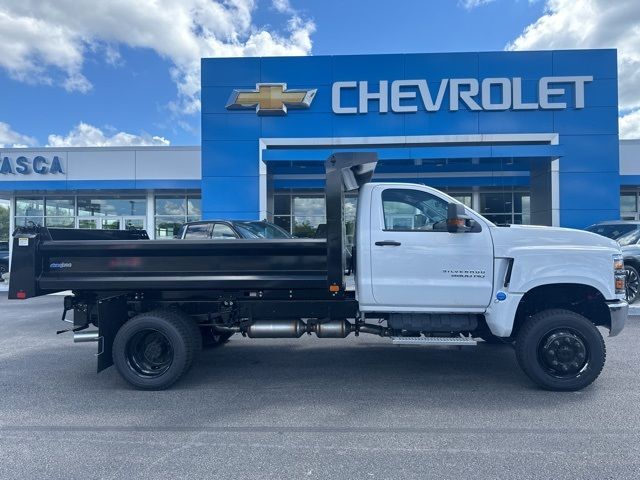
[{"x": 413, "y": 261}]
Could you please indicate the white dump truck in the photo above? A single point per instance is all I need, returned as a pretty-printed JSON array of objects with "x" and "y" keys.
[{"x": 423, "y": 270}]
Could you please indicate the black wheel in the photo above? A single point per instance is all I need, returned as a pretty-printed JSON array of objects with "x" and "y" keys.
[
  {"x": 154, "y": 349},
  {"x": 632, "y": 283},
  {"x": 560, "y": 350},
  {"x": 3, "y": 269},
  {"x": 211, "y": 338}
]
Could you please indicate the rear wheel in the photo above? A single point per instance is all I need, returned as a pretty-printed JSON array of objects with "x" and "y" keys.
[
  {"x": 560, "y": 350},
  {"x": 154, "y": 349},
  {"x": 632, "y": 283}
]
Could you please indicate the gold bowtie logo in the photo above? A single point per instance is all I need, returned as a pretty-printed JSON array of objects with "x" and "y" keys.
[{"x": 270, "y": 99}]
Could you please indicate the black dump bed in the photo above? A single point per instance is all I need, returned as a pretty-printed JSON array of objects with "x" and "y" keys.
[
  {"x": 48, "y": 260},
  {"x": 91, "y": 262}
]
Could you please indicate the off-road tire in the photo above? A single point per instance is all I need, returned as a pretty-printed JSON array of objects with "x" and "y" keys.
[
  {"x": 540, "y": 328},
  {"x": 176, "y": 328}
]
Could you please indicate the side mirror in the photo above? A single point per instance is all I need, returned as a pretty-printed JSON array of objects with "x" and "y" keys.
[{"x": 457, "y": 218}]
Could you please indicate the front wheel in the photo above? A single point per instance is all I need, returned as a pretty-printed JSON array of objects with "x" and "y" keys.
[
  {"x": 632, "y": 283},
  {"x": 560, "y": 350},
  {"x": 154, "y": 349}
]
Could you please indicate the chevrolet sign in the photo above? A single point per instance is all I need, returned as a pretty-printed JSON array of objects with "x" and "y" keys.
[{"x": 402, "y": 96}]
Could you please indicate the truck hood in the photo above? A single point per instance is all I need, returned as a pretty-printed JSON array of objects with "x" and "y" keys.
[{"x": 531, "y": 236}]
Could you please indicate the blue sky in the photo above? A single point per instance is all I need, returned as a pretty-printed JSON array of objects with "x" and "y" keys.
[{"x": 74, "y": 74}]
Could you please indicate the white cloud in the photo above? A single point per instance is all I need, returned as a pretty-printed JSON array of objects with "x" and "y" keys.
[
  {"x": 85, "y": 135},
  {"x": 44, "y": 41},
  {"x": 282, "y": 6},
  {"x": 592, "y": 24},
  {"x": 630, "y": 125},
  {"x": 12, "y": 139},
  {"x": 471, "y": 4}
]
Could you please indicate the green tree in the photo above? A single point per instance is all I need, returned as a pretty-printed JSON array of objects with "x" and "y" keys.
[
  {"x": 304, "y": 229},
  {"x": 4, "y": 223}
]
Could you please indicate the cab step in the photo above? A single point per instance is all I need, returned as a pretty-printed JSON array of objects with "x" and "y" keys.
[{"x": 469, "y": 341}]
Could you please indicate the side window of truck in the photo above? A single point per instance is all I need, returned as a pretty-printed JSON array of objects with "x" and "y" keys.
[
  {"x": 223, "y": 232},
  {"x": 199, "y": 231},
  {"x": 413, "y": 210}
]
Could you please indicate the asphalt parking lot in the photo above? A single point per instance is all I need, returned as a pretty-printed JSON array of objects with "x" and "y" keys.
[{"x": 312, "y": 408}]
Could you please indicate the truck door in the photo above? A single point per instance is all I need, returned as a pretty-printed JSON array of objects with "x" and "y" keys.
[{"x": 417, "y": 263}]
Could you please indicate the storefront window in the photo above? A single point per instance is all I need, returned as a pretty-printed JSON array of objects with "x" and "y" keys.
[
  {"x": 60, "y": 222},
  {"x": 126, "y": 212},
  {"x": 30, "y": 206},
  {"x": 28, "y": 221},
  {"x": 60, "y": 207},
  {"x": 283, "y": 222},
  {"x": 172, "y": 211},
  {"x": 629, "y": 206},
  {"x": 194, "y": 206},
  {"x": 90, "y": 224},
  {"x": 308, "y": 213},
  {"x": 171, "y": 205},
  {"x": 302, "y": 214},
  {"x": 463, "y": 198},
  {"x": 102, "y": 207},
  {"x": 506, "y": 207},
  {"x": 167, "y": 227},
  {"x": 29, "y": 211}
]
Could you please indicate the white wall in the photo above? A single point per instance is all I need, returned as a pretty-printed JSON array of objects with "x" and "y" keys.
[
  {"x": 110, "y": 163},
  {"x": 629, "y": 157}
]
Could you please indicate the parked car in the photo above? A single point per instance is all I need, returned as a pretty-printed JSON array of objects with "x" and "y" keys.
[
  {"x": 230, "y": 229},
  {"x": 614, "y": 229},
  {"x": 630, "y": 244},
  {"x": 627, "y": 234}
]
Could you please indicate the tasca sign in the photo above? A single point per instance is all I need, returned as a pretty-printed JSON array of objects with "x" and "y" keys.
[
  {"x": 405, "y": 96},
  {"x": 23, "y": 165}
]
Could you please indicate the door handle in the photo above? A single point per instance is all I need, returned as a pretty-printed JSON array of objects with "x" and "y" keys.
[{"x": 388, "y": 243}]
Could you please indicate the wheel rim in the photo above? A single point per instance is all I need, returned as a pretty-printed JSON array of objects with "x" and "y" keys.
[
  {"x": 563, "y": 353},
  {"x": 149, "y": 353},
  {"x": 632, "y": 285}
]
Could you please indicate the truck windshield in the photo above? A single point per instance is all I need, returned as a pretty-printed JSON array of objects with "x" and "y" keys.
[{"x": 261, "y": 229}]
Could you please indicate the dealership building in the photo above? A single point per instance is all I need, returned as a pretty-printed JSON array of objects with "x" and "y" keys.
[{"x": 522, "y": 137}]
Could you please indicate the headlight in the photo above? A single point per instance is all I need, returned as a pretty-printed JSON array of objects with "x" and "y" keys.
[{"x": 619, "y": 274}]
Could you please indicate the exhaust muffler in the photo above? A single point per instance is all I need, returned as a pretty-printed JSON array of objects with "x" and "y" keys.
[
  {"x": 297, "y": 328},
  {"x": 83, "y": 337}
]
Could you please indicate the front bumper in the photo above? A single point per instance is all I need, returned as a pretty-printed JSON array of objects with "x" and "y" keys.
[{"x": 618, "y": 311}]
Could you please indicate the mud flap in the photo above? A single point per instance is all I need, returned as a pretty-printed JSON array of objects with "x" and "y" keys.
[{"x": 112, "y": 313}]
